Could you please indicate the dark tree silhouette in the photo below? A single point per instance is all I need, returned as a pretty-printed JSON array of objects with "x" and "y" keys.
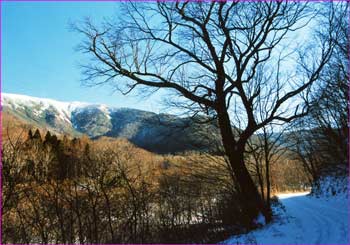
[
  {"x": 321, "y": 138},
  {"x": 330, "y": 101},
  {"x": 217, "y": 58}
]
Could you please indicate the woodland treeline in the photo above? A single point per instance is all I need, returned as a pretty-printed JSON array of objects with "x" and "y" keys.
[
  {"x": 75, "y": 190},
  {"x": 64, "y": 190}
]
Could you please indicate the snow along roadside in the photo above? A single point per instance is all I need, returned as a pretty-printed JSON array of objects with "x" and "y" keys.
[{"x": 307, "y": 220}]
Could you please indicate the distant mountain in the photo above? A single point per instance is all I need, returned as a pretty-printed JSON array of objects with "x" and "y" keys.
[{"x": 162, "y": 133}]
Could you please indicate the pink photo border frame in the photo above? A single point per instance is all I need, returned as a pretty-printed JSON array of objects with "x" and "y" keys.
[{"x": 1, "y": 1}]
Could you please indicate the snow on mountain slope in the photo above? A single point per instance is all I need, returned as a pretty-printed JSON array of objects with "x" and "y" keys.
[
  {"x": 307, "y": 220},
  {"x": 64, "y": 109},
  {"x": 160, "y": 133},
  {"x": 57, "y": 116}
]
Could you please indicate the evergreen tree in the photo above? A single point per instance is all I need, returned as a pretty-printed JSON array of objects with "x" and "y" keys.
[
  {"x": 30, "y": 134},
  {"x": 47, "y": 137},
  {"x": 37, "y": 135}
]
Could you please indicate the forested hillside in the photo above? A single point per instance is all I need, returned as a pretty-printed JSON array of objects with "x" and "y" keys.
[{"x": 83, "y": 186}]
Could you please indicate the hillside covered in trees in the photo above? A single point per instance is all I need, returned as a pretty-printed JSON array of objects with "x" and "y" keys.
[{"x": 63, "y": 189}]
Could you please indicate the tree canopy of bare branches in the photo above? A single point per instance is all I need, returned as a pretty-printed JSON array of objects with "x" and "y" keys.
[{"x": 226, "y": 60}]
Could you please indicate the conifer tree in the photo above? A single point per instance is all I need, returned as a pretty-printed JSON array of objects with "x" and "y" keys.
[
  {"x": 30, "y": 134},
  {"x": 37, "y": 134}
]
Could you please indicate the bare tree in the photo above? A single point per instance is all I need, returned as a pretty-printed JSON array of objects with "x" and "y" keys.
[
  {"x": 266, "y": 149},
  {"x": 209, "y": 54},
  {"x": 11, "y": 168},
  {"x": 330, "y": 101},
  {"x": 321, "y": 138}
]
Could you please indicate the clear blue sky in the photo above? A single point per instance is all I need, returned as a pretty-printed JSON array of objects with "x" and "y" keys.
[{"x": 39, "y": 57}]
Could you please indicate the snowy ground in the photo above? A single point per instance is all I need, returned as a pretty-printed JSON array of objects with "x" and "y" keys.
[{"x": 306, "y": 220}]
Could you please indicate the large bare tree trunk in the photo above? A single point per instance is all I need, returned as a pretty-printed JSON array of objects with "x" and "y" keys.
[{"x": 249, "y": 194}]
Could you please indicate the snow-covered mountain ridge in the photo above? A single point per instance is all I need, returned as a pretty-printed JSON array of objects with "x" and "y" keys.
[
  {"x": 155, "y": 132},
  {"x": 17, "y": 101}
]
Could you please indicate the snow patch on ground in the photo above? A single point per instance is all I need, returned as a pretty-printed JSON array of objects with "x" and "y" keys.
[
  {"x": 331, "y": 187},
  {"x": 306, "y": 219},
  {"x": 260, "y": 220}
]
